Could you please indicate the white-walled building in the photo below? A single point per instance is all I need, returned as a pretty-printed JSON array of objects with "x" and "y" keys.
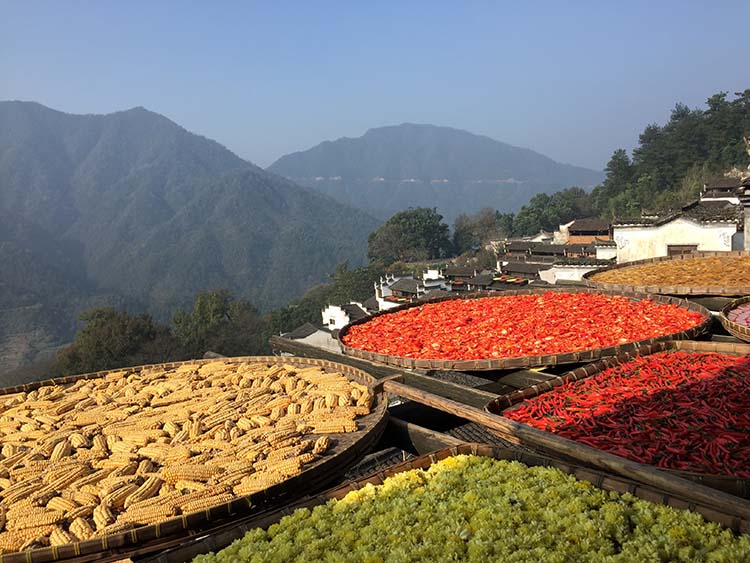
[
  {"x": 336, "y": 317},
  {"x": 707, "y": 224}
]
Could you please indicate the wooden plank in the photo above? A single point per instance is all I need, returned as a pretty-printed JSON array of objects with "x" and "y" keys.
[
  {"x": 548, "y": 442},
  {"x": 279, "y": 343},
  {"x": 417, "y": 438},
  {"x": 467, "y": 395},
  {"x": 525, "y": 378}
]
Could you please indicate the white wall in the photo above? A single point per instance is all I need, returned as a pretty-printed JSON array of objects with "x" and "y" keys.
[
  {"x": 639, "y": 243},
  {"x": 606, "y": 252},
  {"x": 565, "y": 273},
  {"x": 335, "y": 317}
]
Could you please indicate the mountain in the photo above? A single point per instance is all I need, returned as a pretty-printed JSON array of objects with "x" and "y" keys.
[
  {"x": 391, "y": 168},
  {"x": 131, "y": 208}
]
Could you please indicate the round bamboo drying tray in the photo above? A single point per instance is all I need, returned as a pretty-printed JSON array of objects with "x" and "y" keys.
[
  {"x": 528, "y": 361},
  {"x": 737, "y": 330},
  {"x": 347, "y": 449},
  {"x": 222, "y": 537},
  {"x": 727, "y": 291},
  {"x": 734, "y": 485}
]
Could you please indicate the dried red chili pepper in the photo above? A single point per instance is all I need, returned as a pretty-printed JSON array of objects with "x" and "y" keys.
[
  {"x": 675, "y": 410},
  {"x": 518, "y": 325}
]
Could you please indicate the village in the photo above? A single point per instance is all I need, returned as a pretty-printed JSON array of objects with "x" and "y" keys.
[{"x": 719, "y": 220}]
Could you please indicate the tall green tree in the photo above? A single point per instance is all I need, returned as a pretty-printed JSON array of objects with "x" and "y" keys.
[
  {"x": 112, "y": 339},
  {"x": 220, "y": 323},
  {"x": 415, "y": 234}
]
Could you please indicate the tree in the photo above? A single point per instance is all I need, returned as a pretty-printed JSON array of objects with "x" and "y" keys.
[
  {"x": 415, "y": 234},
  {"x": 112, "y": 339},
  {"x": 220, "y": 323},
  {"x": 471, "y": 231}
]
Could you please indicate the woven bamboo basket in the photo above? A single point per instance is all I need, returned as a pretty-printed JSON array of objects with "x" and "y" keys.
[
  {"x": 347, "y": 449},
  {"x": 734, "y": 485},
  {"x": 527, "y": 361},
  {"x": 221, "y": 537},
  {"x": 727, "y": 291},
  {"x": 737, "y": 330}
]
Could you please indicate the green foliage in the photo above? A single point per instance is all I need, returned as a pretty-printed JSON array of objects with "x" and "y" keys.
[
  {"x": 411, "y": 235},
  {"x": 470, "y": 231},
  {"x": 672, "y": 161},
  {"x": 345, "y": 286},
  {"x": 113, "y": 339},
  {"x": 667, "y": 170},
  {"x": 222, "y": 324},
  {"x": 548, "y": 212}
]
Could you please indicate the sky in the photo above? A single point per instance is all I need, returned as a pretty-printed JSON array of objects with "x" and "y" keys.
[{"x": 572, "y": 80}]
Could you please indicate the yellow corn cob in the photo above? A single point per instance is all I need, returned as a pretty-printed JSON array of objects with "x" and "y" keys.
[
  {"x": 145, "y": 466},
  {"x": 81, "y": 529},
  {"x": 83, "y": 498},
  {"x": 62, "y": 504},
  {"x": 231, "y": 478},
  {"x": 148, "y": 515},
  {"x": 168, "y": 498},
  {"x": 245, "y": 423},
  {"x": 256, "y": 482},
  {"x": 58, "y": 536},
  {"x": 321, "y": 445},
  {"x": 115, "y": 528},
  {"x": 99, "y": 442},
  {"x": 148, "y": 489},
  {"x": 116, "y": 498},
  {"x": 36, "y": 519},
  {"x": 174, "y": 473},
  {"x": 103, "y": 516},
  {"x": 170, "y": 428},
  {"x": 129, "y": 468},
  {"x": 185, "y": 484},
  {"x": 306, "y": 458},
  {"x": 284, "y": 452},
  {"x": 35, "y": 542},
  {"x": 334, "y": 426},
  {"x": 78, "y": 440},
  {"x": 85, "y": 511},
  {"x": 207, "y": 502},
  {"x": 286, "y": 467},
  {"x": 213, "y": 490},
  {"x": 3, "y": 511}
]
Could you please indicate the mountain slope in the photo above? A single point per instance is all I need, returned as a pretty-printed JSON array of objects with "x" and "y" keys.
[
  {"x": 131, "y": 204},
  {"x": 391, "y": 168}
]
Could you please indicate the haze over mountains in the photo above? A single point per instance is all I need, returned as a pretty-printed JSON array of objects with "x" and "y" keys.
[
  {"x": 391, "y": 168},
  {"x": 130, "y": 208}
]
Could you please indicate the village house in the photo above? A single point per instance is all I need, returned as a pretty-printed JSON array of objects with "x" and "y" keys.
[
  {"x": 457, "y": 278},
  {"x": 713, "y": 222}
]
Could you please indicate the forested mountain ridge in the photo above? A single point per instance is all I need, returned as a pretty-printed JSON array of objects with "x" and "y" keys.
[
  {"x": 665, "y": 171},
  {"x": 391, "y": 168},
  {"x": 132, "y": 206}
]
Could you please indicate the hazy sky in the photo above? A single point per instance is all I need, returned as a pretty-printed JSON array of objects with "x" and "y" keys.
[{"x": 573, "y": 80}]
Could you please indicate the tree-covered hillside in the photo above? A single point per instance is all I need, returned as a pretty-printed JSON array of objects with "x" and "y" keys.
[
  {"x": 666, "y": 169},
  {"x": 130, "y": 204},
  {"x": 389, "y": 169}
]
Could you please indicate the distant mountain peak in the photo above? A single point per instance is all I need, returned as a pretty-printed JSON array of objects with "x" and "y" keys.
[{"x": 462, "y": 171}]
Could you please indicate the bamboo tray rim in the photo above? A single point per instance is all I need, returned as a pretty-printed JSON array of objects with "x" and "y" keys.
[
  {"x": 720, "y": 290},
  {"x": 597, "y": 478},
  {"x": 735, "y": 329},
  {"x": 492, "y": 364},
  {"x": 513, "y": 401},
  {"x": 325, "y": 468}
]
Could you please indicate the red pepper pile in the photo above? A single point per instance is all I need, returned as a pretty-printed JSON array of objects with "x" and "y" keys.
[
  {"x": 518, "y": 325},
  {"x": 675, "y": 410}
]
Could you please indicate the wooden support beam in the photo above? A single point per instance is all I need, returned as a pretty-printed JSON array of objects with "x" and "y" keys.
[
  {"x": 418, "y": 438},
  {"x": 525, "y": 378},
  {"x": 551, "y": 443}
]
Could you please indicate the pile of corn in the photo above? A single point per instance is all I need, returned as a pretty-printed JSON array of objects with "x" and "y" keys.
[
  {"x": 711, "y": 271},
  {"x": 468, "y": 508},
  {"x": 138, "y": 447}
]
